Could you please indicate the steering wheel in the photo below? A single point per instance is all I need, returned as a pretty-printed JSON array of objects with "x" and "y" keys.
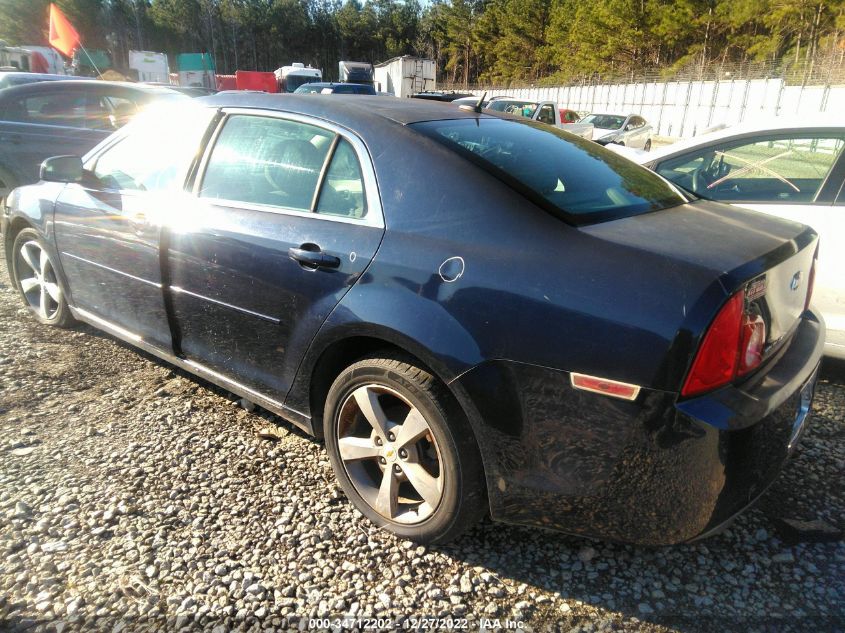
[{"x": 700, "y": 180}]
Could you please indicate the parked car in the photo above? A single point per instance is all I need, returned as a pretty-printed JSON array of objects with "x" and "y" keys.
[
  {"x": 630, "y": 131},
  {"x": 791, "y": 168},
  {"x": 473, "y": 100},
  {"x": 379, "y": 272},
  {"x": 568, "y": 116},
  {"x": 541, "y": 111},
  {"x": 39, "y": 120},
  {"x": 190, "y": 91},
  {"x": 324, "y": 87},
  {"x": 434, "y": 95},
  {"x": 14, "y": 78}
]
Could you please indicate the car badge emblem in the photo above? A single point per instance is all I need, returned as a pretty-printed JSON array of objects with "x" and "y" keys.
[{"x": 796, "y": 281}]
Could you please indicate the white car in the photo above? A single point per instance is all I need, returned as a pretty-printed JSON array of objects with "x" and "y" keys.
[
  {"x": 790, "y": 168},
  {"x": 630, "y": 131}
]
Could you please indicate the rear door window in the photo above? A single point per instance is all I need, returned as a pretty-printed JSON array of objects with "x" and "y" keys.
[
  {"x": 62, "y": 108},
  {"x": 573, "y": 177},
  {"x": 788, "y": 169},
  {"x": 342, "y": 193},
  {"x": 268, "y": 161},
  {"x": 281, "y": 163}
]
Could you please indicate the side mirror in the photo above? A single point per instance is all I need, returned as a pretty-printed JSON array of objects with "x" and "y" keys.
[
  {"x": 62, "y": 169},
  {"x": 629, "y": 127}
]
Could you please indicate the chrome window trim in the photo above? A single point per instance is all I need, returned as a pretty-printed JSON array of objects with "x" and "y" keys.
[{"x": 375, "y": 214}]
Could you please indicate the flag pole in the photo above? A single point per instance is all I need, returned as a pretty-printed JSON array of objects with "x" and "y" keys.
[{"x": 99, "y": 74}]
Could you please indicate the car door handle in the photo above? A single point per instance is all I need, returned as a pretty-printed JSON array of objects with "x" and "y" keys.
[{"x": 310, "y": 256}]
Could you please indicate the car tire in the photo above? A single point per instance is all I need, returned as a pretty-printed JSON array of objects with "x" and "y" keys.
[
  {"x": 647, "y": 146},
  {"x": 37, "y": 280},
  {"x": 403, "y": 451}
]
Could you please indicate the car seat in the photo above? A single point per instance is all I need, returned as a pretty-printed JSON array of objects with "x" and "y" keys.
[{"x": 293, "y": 168}]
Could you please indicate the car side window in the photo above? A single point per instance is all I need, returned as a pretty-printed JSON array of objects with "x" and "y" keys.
[
  {"x": 342, "y": 193},
  {"x": 343, "y": 90},
  {"x": 48, "y": 108},
  {"x": 136, "y": 162},
  {"x": 772, "y": 169},
  {"x": 266, "y": 160},
  {"x": 547, "y": 115},
  {"x": 120, "y": 110},
  {"x": 571, "y": 117},
  {"x": 109, "y": 112}
]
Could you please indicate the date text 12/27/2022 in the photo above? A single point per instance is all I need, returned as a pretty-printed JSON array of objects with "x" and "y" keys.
[{"x": 414, "y": 623}]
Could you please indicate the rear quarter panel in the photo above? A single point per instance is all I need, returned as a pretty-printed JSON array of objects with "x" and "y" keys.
[{"x": 470, "y": 271}]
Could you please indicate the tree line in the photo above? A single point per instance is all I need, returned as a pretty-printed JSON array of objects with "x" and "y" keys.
[{"x": 472, "y": 41}]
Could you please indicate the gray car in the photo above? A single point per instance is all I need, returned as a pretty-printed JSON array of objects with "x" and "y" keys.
[
  {"x": 630, "y": 131},
  {"x": 48, "y": 118},
  {"x": 14, "y": 78}
]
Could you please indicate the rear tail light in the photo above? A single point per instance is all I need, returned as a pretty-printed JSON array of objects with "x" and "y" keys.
[{"x": 732, "y": 346}]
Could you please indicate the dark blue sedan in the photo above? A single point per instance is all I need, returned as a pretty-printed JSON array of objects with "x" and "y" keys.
[{"x": 478, "y": 314}]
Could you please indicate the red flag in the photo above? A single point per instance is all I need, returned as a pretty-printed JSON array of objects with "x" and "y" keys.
[{"x": 63, "y": 37}]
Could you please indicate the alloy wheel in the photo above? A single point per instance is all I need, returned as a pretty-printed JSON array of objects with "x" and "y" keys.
[
  {"x": 390, "y": 454},
  {"x": 37, "y": 279}
]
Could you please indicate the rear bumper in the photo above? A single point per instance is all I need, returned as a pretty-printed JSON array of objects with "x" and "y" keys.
[{"x": 653, "y": 471}]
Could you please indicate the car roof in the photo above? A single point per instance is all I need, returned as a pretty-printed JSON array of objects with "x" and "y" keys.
[
  {"x": 758, "y": 125},
  {"x": 347, "y": 109},
  {"x": 22, "y": 73},
  {"x": 50, "y": 86}
]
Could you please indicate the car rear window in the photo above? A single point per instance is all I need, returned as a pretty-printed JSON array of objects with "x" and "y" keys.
[{"x": 573, "y": 177}]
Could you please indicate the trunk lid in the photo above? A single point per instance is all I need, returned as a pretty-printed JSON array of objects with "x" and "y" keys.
[{"x": 769, "y": 256}]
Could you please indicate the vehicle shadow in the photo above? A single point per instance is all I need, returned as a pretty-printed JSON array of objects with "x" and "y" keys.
[{"x": 175, "y": 371}]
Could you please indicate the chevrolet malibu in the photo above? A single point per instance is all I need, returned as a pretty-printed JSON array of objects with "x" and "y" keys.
[{"x": 478, "y": 314}]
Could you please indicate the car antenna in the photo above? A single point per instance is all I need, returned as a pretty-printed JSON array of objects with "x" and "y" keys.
[{"x": 477, "y": 106}]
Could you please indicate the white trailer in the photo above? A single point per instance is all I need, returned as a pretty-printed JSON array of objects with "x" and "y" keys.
[
  {"x": 150, "y": 66},
  {"x": 14, "y": 58},
  {"x": 292, "y": 77},
  {"x": 406, "y": 75},
  {"x": 55, "y": 63}
]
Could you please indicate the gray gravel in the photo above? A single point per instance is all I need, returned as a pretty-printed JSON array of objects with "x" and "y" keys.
[{"x": 135, "y": 497}]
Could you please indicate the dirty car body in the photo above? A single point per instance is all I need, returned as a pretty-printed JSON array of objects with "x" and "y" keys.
[{"x": 565, "y": 319}]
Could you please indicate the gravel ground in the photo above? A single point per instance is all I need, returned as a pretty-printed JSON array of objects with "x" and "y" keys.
[{"x": 135, "y": 497}]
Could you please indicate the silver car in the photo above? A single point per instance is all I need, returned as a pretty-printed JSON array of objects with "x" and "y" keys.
[{"x": 630, "y": 131}]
